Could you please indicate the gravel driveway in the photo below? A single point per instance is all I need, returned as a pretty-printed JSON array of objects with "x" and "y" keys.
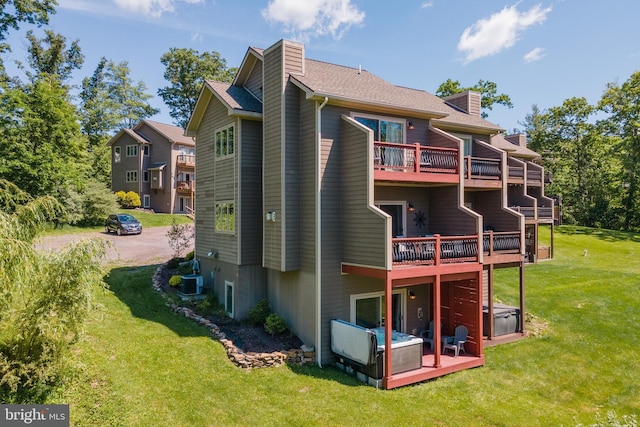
[{"x": 150, "y": 247}]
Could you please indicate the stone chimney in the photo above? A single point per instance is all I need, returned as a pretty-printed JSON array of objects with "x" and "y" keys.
[{"x": 468, "y": 101}]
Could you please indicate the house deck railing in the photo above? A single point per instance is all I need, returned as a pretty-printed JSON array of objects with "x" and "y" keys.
[
  {"x": 502, "y": 242},
  {"x": 435, "y": 250},
  {"x": 516, "y": 172},
  {"x": 481, "y": 168},
  {"x": 185, "y": 185},
  {"x": 527, "y": 211},
  {"x": 545, "y": 212},
  {"x": 402, "y": 158},
  {"x": 534, "y": 177},
  {"x": 186, "y": 159}
]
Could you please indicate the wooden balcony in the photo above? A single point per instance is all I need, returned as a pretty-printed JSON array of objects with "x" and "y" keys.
[
  {"x": 529, "y": 212},
  {"x": 545, "y": 214},
  {"x": 501, "y": 247},
  {"x": 436, "y": 250},
  {"x": 482, "y": 172},
  {"x": 534, "y": 178},
  {"x": 415, "y": 163},
  {"x": 516, "y": 175},
  {"x": 186, "y": 160},
  {"x": 185, "y": 186}
]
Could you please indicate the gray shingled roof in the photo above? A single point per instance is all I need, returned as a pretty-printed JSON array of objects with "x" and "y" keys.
[
  {"x": 235, "y": 97},
  {"x": 512, "y": 149},
  {"x": 172, "y": 133}
]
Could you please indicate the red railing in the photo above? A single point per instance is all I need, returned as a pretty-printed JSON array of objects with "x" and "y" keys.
[
  {"x": 480, "y": 168},
  {"x": 502, "y": 242},
  {"x": 402, "y": 158},
  {"x": 435, "y": 250}
]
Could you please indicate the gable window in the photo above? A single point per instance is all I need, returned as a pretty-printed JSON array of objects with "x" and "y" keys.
[
  {"x": 225, "y": 216},
  {"x": 116, "y": 154},
  {"x": 145, "y": 150},
  {"x": 224, "y": 142},
  {"x": 132, "y": 176},
  {"x": 385, "y": 129},
  {"x": 132, "y": 150}
]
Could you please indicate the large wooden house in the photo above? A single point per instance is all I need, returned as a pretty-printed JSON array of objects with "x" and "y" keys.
[{"x": 354, "y": 205}]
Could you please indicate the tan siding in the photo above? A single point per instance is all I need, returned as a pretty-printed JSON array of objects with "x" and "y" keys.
[
  {"x": 254, "y": 82},
  {"x": 444, "y": 216},
  {"x": 272, "y": 178},
  {"x": 292, "y": 178},
  {"x": 308, "y": 164}
]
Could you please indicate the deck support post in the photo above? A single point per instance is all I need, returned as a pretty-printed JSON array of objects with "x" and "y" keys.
[
  {"x": 437, "y": 323},
  {"x": 387, "y": 330},
  {"x": 522, "y": 307}
]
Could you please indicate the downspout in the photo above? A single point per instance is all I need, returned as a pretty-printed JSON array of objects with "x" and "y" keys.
[{"x": 318, "y": 234}]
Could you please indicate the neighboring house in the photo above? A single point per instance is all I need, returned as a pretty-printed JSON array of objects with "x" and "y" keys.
[
  {"x": 156, "y": 161},
  {"x": 337, "y": 195}
]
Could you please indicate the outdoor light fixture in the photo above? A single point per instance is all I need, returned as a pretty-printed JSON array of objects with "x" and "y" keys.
[
  {"x": 410, "y": 125},
  {"x": 410, "y": 207},
  {"x": 412, "y": 295}
]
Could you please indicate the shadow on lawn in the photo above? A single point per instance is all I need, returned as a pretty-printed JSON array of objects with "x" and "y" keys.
[
  {"x": 599, "y": 233},
  {"x": 132, "y": 285}
]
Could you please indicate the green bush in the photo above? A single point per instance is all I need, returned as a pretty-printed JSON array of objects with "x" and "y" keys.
[
  {"x": 131, "y": 200},
  {"x": 176, "y": 280},
  {"x": 120, "y": 196},
  {"x": 189, "y": 256},
  {"x": 275, "y": 324},
  {"x": 259, "y": 313},
  {"x": 211, "y": 305}
]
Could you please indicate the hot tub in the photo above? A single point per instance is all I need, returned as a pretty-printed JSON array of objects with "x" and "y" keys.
[
  {"x": 364, "y": 349},
  {"x": 506, "y": 320}
]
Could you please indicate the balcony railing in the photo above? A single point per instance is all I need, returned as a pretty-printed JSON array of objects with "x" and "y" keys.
[
  {"x": 516, "y": 172},
  {"x": 545, "y": 212},
  {"x": 186, "y": 159},
  {"x": 527, "y": 211},
  {"x": 185, "y": 185},
  {"x": 402, "y": 158},
  {"x": 502, "y": 242},
  {"x": 534, "y": 177},
  {"x": 480, "y": 168},
  {"x": 435, "y": 250}
]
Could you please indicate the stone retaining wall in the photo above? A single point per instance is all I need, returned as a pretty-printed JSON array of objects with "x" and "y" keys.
[{"x": 244, "y": 360}]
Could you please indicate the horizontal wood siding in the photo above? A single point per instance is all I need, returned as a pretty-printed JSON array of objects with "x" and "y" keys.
[
  {"x": 308, "y": 166},
  {"x": 254, "y": 81},
  {"x": 250, "y": 215},
  {"x": 364, "y": 231},
  {"x": 119, "y": 170},
  {"x": 292, "y": 175},
  {"x": 294, "y": 57},
  {"x": 439, "y": 138},
  {"x": 272, "y": 169},
  {"x": 489, "y": 205},
  {"x": 445, "y": 216}
]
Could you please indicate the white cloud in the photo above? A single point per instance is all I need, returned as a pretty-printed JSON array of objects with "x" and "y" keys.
[
  {"x": 305, "y": 19},
  {"x": 535, "y": 55},
  {"x": 196, "y": 37},
  {"x": 500, "y": 31},
  {"x": 427, "y": 4},
  {"x": 153, "y": 8}
]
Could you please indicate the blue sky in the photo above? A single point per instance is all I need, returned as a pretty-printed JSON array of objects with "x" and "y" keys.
[{"x": 538, "y": 52}]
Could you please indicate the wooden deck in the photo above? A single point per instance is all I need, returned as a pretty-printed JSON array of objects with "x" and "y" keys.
[{"x": 448, "y": 365}]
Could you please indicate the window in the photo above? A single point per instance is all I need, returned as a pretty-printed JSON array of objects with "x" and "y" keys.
[
  {"x": 145, "y": 176},
  {"x": 384, "y": 129},
  {"x": 224, "y": 142},
  {"x": 368, "y": 310},
  {"x": 398, "y": 213},
  {"x": 225, "y": 216},
  {"x": 145, "y": 150},
  {"x": 132, "y": 150},
  {"x": 116, "y": 154},
  {"x": 132, "y": 176},
  {"x": 466, "y": 143},
  {"x": 228, "y": 298},
  {"x": 146, "y": 201}
]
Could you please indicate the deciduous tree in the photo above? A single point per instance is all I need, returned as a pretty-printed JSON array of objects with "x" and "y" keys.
[{"x": 488, "y": 90}]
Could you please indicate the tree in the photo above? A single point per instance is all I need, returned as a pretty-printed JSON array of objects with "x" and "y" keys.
[
  {"x": 623, "y": 103},
  {"x": 186, "y": 70},
  {"x": 180, "y": 237},
  {"x": 130, "y": 97},
  {"x": 487, "y": 88},
  {"x": 49, "y": 56},
  {"x": 44, "y": 298}
]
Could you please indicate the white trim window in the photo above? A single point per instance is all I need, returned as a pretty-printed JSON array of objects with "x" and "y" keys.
[
  {"x": 228, "y": 297},
  {"x": 385, "y": 129},
  {"x": 132, "y": 176},
  {"x": 225, "y": 216},
  {"x": 116, "y": 154},
  {"x": 146, "y": 201},
  {"x": 132, "y": 150},
  {"x": 224, "y": 142},
  {"x": 146, "y": 150},
  {"x": 368, "y": 310},
  {"x": 466, "y": 143}
]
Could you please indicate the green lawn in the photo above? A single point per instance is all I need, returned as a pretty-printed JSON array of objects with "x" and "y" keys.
[
  {"x": 147, "y": 219},
  {"x": 141, "y": 365}
]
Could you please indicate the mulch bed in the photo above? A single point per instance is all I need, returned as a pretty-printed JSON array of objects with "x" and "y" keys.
[{"x": 249, "y": 338}]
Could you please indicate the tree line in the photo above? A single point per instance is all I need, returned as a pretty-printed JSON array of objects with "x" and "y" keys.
[{"x": 53, "y": 135}]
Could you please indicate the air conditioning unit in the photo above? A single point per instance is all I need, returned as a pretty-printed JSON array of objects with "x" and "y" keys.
[{"x": 192, "y": 284}]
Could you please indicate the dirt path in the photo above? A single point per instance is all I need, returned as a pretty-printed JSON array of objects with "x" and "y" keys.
[{"x": 150, "y": 247}]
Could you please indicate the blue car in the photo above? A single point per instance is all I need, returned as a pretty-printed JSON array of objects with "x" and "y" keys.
[{"x": 122, "y": 224}]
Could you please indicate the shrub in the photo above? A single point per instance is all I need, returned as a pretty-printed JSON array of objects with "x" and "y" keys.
[
  {"x": 274, "y": 324},
  {"x": 180, "y": 237},
  {"x": 259, "y": 313},
  {"x": 176, "y": 280},
  {"x": 119, "y": 196},
  {"x": 211, "y": 305},
  {"x": 97, "y": 203},
  {"x": 131, "y": 200},
  {"x": 189, "y": 256}
]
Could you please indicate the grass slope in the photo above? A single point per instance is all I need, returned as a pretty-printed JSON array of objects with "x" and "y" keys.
[{"x": 141, "y": 365}]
